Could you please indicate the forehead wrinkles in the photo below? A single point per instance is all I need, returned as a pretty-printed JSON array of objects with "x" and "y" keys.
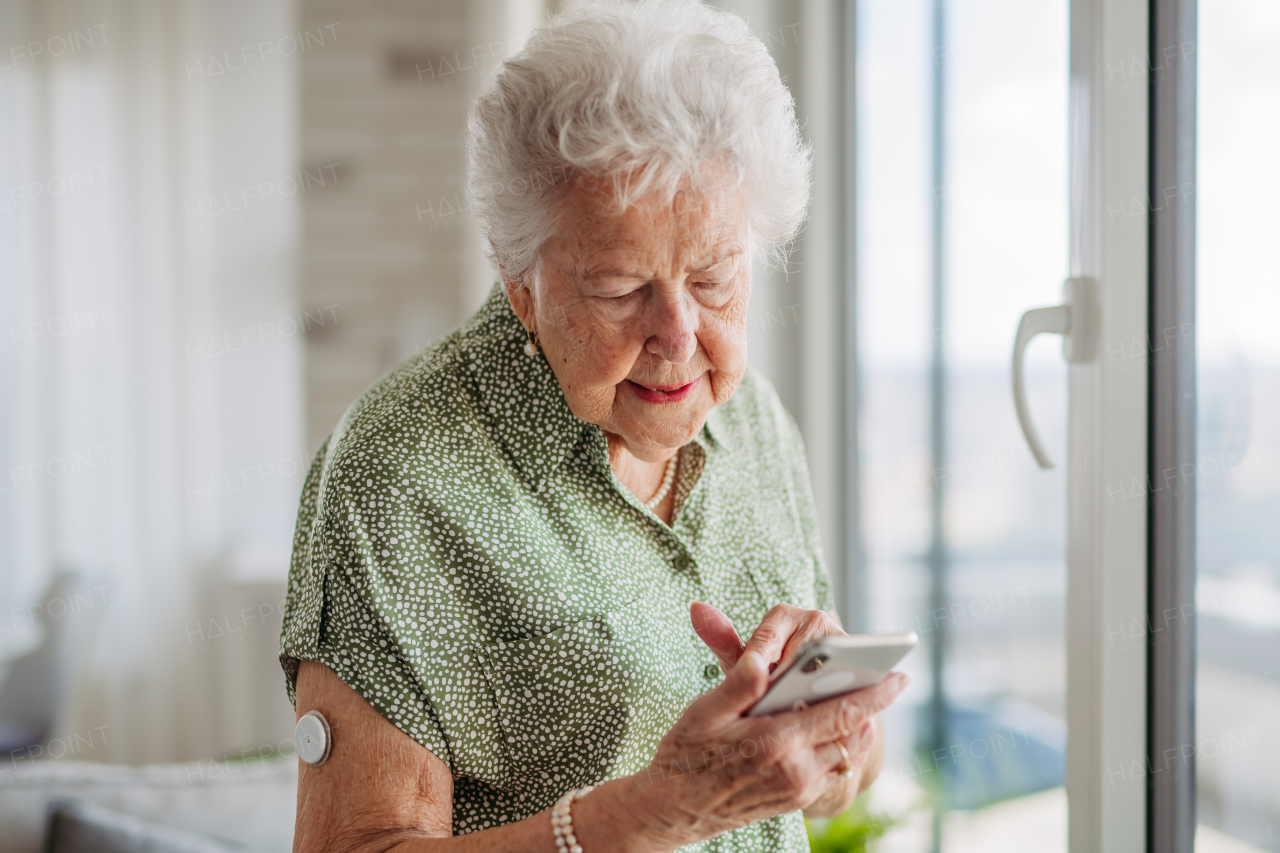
[
  {"x": 708, "y": 220},
  {"x": 685, "y": 233}
]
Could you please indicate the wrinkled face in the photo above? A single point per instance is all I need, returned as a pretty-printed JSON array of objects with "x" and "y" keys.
[{"x": 642, "y": 315}]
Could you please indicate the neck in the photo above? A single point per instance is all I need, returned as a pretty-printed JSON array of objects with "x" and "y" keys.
[{"x": 641, "y": 477}]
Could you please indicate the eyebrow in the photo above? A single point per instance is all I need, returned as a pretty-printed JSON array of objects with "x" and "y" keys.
[
  {"x": 719, "y": 254},
  {"x": 620, "y": 272},
  {"x": 615, "y": 272}
]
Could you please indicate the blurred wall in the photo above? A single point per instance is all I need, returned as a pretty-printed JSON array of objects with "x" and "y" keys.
[{"x": 381, "y": 252}]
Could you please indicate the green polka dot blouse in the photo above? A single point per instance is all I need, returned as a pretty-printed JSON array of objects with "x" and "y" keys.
[{"x": 466, "y": 560}]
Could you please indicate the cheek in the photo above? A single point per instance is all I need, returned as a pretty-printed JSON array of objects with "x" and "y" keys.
[
  {"x": 601, "y": 353},
  {"x": 727, "y": 341}
]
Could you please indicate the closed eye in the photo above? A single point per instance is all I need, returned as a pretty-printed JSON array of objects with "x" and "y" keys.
[
  {"x": 623, "y": 296},
  {"x": 721, "y": 271}
]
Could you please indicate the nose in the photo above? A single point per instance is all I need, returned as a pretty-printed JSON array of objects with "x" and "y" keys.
[{"x": 673, "y": 330}]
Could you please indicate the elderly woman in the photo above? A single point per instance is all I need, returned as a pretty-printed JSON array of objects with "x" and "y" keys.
[{"x": 521, "y": 557}]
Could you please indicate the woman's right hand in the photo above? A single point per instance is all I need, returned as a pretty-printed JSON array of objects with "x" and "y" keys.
[{"x": 717, "y": 770}]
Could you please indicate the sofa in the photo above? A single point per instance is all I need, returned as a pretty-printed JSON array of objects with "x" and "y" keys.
[{"x": 233, "y": 804}]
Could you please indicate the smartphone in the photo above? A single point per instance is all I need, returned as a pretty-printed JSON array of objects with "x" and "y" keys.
[{"x": 832, "y": 666}]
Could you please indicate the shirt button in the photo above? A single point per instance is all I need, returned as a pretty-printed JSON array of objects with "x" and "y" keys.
[{"x": 711, "y": 670}]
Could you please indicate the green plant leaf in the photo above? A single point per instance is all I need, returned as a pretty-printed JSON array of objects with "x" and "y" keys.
[{"x": 854, "y": 831}]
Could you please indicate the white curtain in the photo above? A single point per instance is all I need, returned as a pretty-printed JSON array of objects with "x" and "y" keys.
[{"x": 150, "y": 377}]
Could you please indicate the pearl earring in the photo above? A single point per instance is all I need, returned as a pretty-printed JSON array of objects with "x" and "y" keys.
[{"x": 531, "y": 345}]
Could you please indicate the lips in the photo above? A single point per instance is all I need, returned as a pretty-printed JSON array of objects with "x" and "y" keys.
[{"x": 663, "y": 393}]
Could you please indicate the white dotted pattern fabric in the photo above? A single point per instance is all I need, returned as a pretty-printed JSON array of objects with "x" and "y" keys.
[{"x": 466, "y": 560}]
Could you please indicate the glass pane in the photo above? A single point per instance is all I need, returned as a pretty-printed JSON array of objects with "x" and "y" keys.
[
  {"x": 995, "y": 772},
  {"x": 1238, "y": 488}
]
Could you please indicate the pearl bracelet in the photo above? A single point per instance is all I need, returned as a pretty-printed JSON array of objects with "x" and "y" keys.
[{"x": 562, "y": 822}]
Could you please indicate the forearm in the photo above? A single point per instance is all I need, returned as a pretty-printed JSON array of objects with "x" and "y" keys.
[{"x": 605, "y": 821}]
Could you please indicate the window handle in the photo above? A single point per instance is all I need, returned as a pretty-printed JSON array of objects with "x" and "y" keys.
[{"x": 1076, "y": 321}]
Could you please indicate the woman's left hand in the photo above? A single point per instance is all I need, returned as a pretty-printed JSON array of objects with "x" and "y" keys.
[{"x": 780, "y": 636}]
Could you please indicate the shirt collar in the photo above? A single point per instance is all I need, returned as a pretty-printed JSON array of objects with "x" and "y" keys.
[
  {"x": 716, "y": 432},
  {"x": 519, "y": 394}
]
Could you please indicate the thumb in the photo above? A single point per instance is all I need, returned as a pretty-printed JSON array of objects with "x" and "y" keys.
[
  {"x": 743, "y": 686},
  {"x": 717, "y": 632}
]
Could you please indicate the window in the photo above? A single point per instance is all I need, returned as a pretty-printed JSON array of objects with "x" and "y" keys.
[{"x": 1238, "y": 469}]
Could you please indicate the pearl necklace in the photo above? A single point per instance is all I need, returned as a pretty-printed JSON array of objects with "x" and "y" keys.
[{"x": 668, "y": 477}]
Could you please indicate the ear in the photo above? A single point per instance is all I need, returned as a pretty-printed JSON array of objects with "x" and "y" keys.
[
  {"x": 521, "y": 299},
  {"x": 518, "y": 294}
]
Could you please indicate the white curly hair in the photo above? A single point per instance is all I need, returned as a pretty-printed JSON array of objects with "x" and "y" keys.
[{"x": 642, "y": 93}]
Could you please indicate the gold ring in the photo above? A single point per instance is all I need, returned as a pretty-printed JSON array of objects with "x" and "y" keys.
[{"x": 845, "y": 769}]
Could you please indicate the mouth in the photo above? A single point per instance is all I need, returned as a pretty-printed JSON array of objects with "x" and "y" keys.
[{"x": 662, "y": 393}]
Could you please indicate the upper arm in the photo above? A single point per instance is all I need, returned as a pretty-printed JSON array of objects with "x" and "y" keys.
[{"x": 377, "y": 787}]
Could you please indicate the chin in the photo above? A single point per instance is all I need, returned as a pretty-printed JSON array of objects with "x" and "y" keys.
[{"x": 666, "y": 433}]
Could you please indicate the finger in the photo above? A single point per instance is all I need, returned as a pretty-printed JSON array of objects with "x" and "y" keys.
[
  {"x": 771, "y": 635},
  {"x": 829, "y": 756},
  {"x": 841, "y": 717},
  {"x": 717, "y": 632},
  {"x": 811, "y": 625},
  {"x": 746, "y": 682}
]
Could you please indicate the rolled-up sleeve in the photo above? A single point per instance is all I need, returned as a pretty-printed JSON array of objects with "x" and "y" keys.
[{"x": 372, "y": 597}]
